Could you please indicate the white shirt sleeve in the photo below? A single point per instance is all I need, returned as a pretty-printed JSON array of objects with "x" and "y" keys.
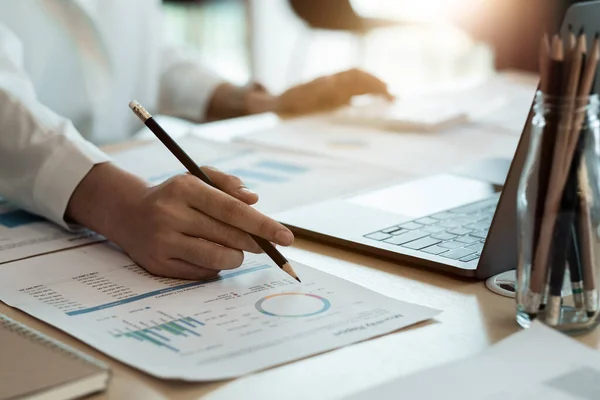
[
  {"x": 42, "y": 156},
  {"x": 186, "y": 86}
]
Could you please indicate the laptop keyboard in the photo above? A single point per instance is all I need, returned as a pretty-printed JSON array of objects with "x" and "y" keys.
[{"x": 457, "y": 234}]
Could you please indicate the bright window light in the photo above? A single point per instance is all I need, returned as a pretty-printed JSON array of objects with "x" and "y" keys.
[{"x": 414, "y": 10}]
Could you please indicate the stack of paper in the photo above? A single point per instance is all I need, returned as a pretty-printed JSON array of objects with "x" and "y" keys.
[
  {"x": 245, "y": 320},
  {"x": 538, "y": 363},
  {"x": 24, "y": 235},
  {"x": 283, "y": 179}
]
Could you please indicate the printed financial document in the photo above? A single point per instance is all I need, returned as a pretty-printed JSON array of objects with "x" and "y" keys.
[
  {"x": 247, "y": 319},
  {"x": 537, "y": 363},
  {"x": 23, "y": 235},
  {"x": 283, "y": 179}
]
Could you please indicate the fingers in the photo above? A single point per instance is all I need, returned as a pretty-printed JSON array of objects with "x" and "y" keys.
[
  {"x": 361, "y": 82},
  {"x": 175, "y": 268},
  {"x": 198, "y": 225},
  {"x": 204, "y": 254},
  {"x": 231, "y": 211},
  {"x": 231, "y": 184},
  {"x": 331, "y": 91}
]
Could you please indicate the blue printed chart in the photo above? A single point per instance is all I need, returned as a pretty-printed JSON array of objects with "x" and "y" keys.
[
  {"x": 23, "y": 234},
  {"x": 283, "y": 179},
  {"x": 292, "y": 305},
  {"x": 163, "y": 331},
  {"x": 18, "y": 218},
  {"x": 247, "y": 319},
  {"x": 254, "y": 175}
]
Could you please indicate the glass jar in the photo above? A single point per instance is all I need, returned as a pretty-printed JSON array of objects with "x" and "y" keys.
[{"x": 558, "y": 204}]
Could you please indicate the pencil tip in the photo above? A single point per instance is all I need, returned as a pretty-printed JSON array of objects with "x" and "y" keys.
[
  {"x": 597, "y": 35},
  {"x": 570, "y": 27},
  {"x": 581, "y": 31},
  {"x": 290, "y": 271}
]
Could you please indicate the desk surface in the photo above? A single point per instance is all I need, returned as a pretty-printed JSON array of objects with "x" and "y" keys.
[{"x": 473, "y": 318}]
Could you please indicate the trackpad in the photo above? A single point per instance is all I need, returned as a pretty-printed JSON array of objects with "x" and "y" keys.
[{"x": 426, "y": 196}]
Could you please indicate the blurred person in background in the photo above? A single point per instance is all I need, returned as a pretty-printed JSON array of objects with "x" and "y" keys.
[
  {"x": 512, "y": 28},
  {"x": 68, "y": 69}
]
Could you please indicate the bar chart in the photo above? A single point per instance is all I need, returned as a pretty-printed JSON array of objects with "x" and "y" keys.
[{"x": 162, "y": 333}]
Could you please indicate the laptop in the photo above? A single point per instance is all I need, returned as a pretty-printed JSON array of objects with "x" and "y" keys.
[{"x": 460, "y": 224}]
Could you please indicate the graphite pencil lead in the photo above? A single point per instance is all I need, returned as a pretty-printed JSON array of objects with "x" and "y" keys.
[{"x": 290, "y": 271}]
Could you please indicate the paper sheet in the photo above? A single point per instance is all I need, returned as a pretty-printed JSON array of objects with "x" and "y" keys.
[
  {"x": 537, "y": 363},
  {"x": 413, "y": 153},
  {"x": 24, "y": 235},
  {"x": 251, "y": 318},
  {"x": 500, "y": 103},
  {"x": 283, "y": 179}
]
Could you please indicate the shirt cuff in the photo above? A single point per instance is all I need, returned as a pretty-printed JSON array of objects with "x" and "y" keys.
[
  {"x": 187, "y": 89},
  {"x": 60, "y": 176}
]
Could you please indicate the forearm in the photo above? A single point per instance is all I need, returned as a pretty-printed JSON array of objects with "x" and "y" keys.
[
  {"x": 230, "y": 101},
  {"x": 102, "y": 200},
  {"x": 35, "y": 142}
]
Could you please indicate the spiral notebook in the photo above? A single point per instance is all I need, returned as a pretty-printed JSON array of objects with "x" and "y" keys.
[{"x": 35, "y": 366}]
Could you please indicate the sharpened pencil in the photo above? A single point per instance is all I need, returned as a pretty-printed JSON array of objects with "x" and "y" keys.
[{"x": 195, "y": 170}]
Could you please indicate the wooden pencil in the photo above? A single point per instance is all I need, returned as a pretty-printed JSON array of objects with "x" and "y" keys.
[
  {"x": 586, "y": 233},
  {"x": 539, "y": 276},
  {"x": 588, "y": 259},
  {"x": 563, "y": 213},
  {"x": 544, "y": 63},
  {"x": 195, "y": 170}
]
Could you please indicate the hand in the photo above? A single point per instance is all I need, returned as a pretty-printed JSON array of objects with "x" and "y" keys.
[
  {"x": 182, "y": 228},
  {"x": 330, "y": 92}
]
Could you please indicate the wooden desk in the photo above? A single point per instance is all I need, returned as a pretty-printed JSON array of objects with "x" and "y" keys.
[{"x": 473, "y": 318}]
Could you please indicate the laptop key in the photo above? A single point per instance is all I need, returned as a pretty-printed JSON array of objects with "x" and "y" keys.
[
  {"x": 427, "y": 221},
  {"x": 470, "y": 258},
  {"x": 481, "y": 234},
  {"x": 450, "y": 223},
  {"x": 484, "y": 218},
  {"x": 458, "y": 253},
  {"x": 379, "y": 236},
  {"x": 390, "y": 230},
  {"x": 443, "y": 215},
  {"x": 411, "y": 226},
  {"x": 434, "y": 228},
  {"x": 444, "y": 236},
  {"x": 452, "y": 245},
  {"x": 421, "y": 243},
  {"x": 475, "y": 246},
  {"x": 434, "y": 250},
  {"x": 399, "y": 231},
  {"x": 467, "y": 239},
  {"x": 460, "y": 231},
  {"x": 478, "y": 226},
  {"x": 406, "y": 237}
]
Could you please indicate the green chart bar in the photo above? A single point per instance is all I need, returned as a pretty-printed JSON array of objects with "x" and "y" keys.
[{"x": 161, "y": 333}]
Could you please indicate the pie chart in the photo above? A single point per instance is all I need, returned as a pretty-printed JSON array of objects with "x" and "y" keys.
[{"x": 292, "y": 305}]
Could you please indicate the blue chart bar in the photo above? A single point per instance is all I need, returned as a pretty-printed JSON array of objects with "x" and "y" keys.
[
  {"x": 257, "y": 175},
  {"x": 219, "y": 160},
  {"x": 282, "y": 166},
  {"x": 161, "y": 334},
  {"x": 167, "y": 290},
  {"x": 17, "y": 218}
]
